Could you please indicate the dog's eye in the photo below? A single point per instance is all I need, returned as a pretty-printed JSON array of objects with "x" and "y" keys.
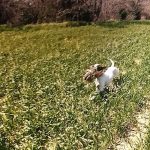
[{"x": 99, "y": 68}]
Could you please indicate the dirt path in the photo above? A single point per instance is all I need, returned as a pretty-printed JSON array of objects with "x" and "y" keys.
[{"x": 137, "y": 136}]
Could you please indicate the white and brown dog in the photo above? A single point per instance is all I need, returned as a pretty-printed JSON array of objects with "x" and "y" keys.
[{"x": 102, "y": 76}]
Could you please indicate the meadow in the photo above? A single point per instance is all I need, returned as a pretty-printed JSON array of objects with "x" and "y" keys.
[{"x": 44, "y": 102}]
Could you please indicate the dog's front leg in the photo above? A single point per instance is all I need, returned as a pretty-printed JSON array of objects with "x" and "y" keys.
[
  {"x": 97, "y": 85},
  {"x": 101, "y": 89}
]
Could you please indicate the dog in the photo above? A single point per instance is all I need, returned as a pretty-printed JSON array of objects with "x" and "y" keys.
[
  {"x": 101, "y": 75},
  {"x": 106, "y": 78}
]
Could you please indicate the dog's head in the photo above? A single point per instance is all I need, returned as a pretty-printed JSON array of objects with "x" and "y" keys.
[{"x": 95, "y": 71}]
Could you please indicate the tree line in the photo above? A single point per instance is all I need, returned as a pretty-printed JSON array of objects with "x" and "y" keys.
[
  {"x": 38, "y": 11},
  {"x": 19, "y": 12}
]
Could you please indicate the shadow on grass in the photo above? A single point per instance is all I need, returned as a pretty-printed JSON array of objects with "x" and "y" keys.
[
  {"x": 46, "y": 26},
  {"x": 7, "y": 28},
  {"x": 121, "y": 24},
  {"x": 3, "y": 145},
  {"x": 108, "y": 24},
  {"x": 104, "y": 96}
]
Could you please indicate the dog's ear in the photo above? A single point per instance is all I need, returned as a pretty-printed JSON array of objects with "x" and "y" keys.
[{"x": 100, "y": 67}]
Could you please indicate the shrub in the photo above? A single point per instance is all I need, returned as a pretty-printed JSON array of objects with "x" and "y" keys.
[{"x": 123, "y": 14}]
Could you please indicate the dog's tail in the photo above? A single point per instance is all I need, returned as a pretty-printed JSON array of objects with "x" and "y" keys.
[{"x": 112, "y": 63}]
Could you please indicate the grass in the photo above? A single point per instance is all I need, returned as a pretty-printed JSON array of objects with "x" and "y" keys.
[{"x": 44, "y": 103}]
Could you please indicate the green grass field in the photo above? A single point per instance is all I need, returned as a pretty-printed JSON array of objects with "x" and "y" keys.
[{"x": 44, "y": 102}]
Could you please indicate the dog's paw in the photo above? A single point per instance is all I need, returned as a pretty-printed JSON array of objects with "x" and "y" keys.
[{"x": 104, "y": 95}]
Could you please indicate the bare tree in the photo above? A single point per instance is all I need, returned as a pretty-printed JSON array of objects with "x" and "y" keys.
[
  {"x": 3, "y": 11},
  {"x": 44, "y": 10},
  {"x": 30, "y": 11},
  {"x": 79, "y": 10},
  {"x": 135, "y": 8}
]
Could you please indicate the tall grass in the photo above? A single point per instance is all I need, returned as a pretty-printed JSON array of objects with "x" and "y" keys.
[{"x": 44, "y": 103}]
